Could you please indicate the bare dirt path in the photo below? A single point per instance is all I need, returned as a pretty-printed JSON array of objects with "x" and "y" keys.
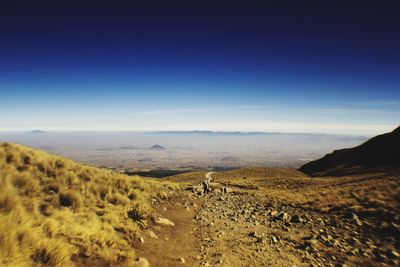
[
  {"x": 249, "y": 227},
  {"x": 172, "y": 245}
]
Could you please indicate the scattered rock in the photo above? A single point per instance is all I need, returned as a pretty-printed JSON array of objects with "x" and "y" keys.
[
  {"x": 393, "y": 254},
  {"x": 351, "y": 216},
  {"x": 141, "y": 262},
  {"x": 274, "y": 213},
  {"x": 253, "y": 234},
  {"x": 284, "y": 216},
  {"x": 182, "y": 260},
  {"x": 309, "y": 244},
  {"x": 164, "y": 221},
  {"x": 152, "y": 234},
  {"x": 296, "y": 219}
]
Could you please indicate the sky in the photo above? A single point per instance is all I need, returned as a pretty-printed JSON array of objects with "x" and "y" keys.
[{"x": 282, "y": 66}]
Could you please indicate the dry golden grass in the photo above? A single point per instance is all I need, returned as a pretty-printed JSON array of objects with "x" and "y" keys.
[
  {"x": 373, "y": 193},
  {"x": 56, "y": 212}
]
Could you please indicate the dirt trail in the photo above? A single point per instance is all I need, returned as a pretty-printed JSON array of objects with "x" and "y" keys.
[{"x": 246, "y": 227}]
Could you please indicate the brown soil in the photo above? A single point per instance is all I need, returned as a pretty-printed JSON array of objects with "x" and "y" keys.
[
  {"x": 279, "y": 217},
  {"x": 172, "y": 242}
]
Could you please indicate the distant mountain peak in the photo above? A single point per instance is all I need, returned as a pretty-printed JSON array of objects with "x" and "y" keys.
[{"x": 157, "y": 147}]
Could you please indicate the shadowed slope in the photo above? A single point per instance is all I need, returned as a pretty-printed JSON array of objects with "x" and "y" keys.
[{"x": 381, "y": 151}]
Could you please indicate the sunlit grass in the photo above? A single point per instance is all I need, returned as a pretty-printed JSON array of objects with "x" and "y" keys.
[{"x": 54, "y": 211}]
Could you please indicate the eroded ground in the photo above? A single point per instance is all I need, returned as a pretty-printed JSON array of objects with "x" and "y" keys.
[{"x": 273, "y": 217}]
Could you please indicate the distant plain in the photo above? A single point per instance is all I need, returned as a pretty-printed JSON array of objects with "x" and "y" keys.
[{"x": 184, "y": 151}]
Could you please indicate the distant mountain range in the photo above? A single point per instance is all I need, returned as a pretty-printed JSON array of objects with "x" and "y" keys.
[
  {"x": 130, "y": 147},
  {"x": 37, "y": 132},
  {"x": 238, "y": 133},
  {"x": 382, "y": 151}
]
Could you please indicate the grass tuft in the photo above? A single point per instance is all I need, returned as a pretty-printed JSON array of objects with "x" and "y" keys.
[{"x": 137, "y": 216}]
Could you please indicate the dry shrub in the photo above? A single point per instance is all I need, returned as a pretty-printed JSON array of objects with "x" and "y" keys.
[
  {"x": 117, "y": 199},
  {"x": 26, "y": 159},
  {"x": 103, "y": 191},
  {"x": 52, "y": 253},
  {"x": 70, "y": 199},
  {"x": 26, "y": 184},
  {"x": 72, "y": 180},
  {"x": 137, "y": 216},
  {"x": 84, "y": 176},
  {"x": 8, "y": 200}
]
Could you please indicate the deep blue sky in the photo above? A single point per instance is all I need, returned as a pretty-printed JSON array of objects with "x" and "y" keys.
[{"x": 308, "y": 66}]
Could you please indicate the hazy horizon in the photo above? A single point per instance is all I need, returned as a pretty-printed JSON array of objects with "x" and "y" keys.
[{"x": 181, "y": 150}]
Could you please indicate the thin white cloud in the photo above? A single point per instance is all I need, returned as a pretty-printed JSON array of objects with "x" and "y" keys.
[
  {"x": 200, "y": 109},
  {"x": 345, "y": 111},
  {"x": 379, "y": 102}
]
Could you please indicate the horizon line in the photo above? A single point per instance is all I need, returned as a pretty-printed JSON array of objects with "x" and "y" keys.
[{"x": 188, "y": 131}]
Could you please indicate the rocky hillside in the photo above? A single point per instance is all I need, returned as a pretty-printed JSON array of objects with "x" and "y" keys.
[
  {"x": 56, "y": 212},
  {"x": 382, "y": 151},
  {"x": 281, "y": 217}
]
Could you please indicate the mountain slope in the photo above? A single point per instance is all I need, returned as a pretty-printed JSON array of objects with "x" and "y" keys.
[
  {"x": 56, "y": 212},
  {"x": 378, "y": 152}
]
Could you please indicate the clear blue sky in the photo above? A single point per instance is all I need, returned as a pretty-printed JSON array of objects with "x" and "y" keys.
[{"x": 118, "y": 65}]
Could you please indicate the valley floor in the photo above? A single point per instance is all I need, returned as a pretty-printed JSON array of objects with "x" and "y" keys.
[{"x": 278, "y": 218}]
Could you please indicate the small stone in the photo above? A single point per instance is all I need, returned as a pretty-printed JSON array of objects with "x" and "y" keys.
[
  {"x": 141, "y": 262},
  {"x": 310, "y": 244},
  {"x": 350, "y": 215},
  {"x": 393, "y": 254},
  {"x": 182, "y": 260},
  {"x": 253, "y": 234},
  {"x": 141, "y": 240},
  {"x": 274, "y": 213},
  {"x": 164, "y": 221},
  {"x": 284, "y": 216},
  {"x": 296, "y": 219},
  {"x": 152, "y": 234}
]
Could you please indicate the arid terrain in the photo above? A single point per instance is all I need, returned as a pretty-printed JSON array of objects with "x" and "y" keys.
[
  {"x": 55, "y": 212},
  {"x": 280, "y": 217}
]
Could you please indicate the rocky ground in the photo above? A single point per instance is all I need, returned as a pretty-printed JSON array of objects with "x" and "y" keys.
[{"x": 249, "y": 227}]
